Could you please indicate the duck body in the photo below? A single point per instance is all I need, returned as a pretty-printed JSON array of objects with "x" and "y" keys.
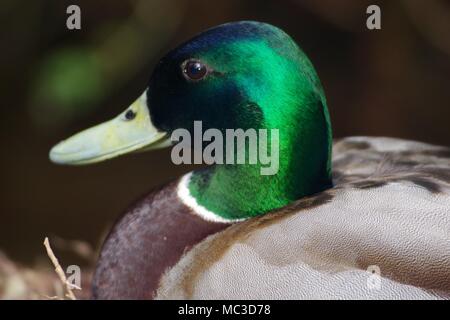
[
  {"x": 382, "y": 232},
  {"x": 388, "y": 212},
  {"x": 309, "y": 229},
  {"x": 149, "y": 239}
]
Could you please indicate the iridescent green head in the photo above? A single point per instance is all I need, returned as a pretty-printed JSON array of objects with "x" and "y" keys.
[{"x": 237, "y": 75}]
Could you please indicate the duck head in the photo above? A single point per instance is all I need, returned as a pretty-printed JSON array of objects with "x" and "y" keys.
[{"x": 237, "y": 75}]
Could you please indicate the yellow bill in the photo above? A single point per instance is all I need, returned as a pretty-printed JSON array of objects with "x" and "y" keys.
[{"x": 130, "y": 131}]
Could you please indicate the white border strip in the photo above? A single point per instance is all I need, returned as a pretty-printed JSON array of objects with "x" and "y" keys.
[{"x": 185, "y": 197}]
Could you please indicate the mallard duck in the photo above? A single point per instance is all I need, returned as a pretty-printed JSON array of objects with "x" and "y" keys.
[{"x": 375, "y": 226}]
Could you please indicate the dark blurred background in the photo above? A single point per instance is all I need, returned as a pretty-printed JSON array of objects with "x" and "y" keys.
[{"x": 54, "y": 82}]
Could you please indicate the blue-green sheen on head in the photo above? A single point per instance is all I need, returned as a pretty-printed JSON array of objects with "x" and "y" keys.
[
  {"x": 258, "y": 78},
  {"x": 242, "y": 75},
  {"x": 251, "y": 61}
]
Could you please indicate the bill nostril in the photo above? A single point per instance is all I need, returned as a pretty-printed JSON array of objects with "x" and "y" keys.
[{"x": 130, "y": 115}]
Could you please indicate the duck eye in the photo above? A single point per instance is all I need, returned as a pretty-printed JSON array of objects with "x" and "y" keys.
[
  {"x": 194, "y": 70},
  {"x": 130, "y": 115}
]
